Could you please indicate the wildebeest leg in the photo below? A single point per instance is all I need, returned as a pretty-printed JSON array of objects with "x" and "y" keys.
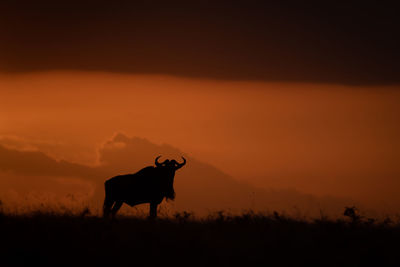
[
  {"x": 108, "y": 200},
  {"x": 108, "y": 203},
  {"x": 153, "y": 210},
  {"x": 115, "y": 208}
]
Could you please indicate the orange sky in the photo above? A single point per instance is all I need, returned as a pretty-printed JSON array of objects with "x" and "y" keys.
[{"x": 316, "y": 138}]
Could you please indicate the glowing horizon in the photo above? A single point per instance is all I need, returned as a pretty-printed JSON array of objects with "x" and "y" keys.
[{"x": 318, "y": 139}]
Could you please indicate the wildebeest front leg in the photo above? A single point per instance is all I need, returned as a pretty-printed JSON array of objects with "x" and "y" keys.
[{"x": 153, "y": 210}]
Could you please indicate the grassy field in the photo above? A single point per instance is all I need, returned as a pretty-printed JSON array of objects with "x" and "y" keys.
[{"x": 40, "y": 239}]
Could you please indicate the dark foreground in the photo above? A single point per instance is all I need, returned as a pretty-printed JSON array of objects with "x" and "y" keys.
[{"x": 247, "y": 240}]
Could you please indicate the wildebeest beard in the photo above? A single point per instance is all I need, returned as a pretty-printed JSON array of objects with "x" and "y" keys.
[{"x": 170, "y": 194}]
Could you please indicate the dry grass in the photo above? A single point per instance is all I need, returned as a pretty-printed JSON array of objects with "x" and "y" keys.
[{"x": 80, "y": 239}]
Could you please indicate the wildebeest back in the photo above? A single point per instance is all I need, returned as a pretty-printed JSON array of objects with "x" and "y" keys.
[{"x": 140, "y": 187}]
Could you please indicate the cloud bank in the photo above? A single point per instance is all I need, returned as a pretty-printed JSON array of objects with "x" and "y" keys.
[{"x": 352, "y": 43}]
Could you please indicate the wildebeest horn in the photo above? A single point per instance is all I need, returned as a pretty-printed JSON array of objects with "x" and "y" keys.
[
  {"x": 180, "y": 165},
  {"x": 158, "y": 164}
]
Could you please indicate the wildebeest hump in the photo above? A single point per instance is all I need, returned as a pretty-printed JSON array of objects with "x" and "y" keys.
[{"x": 141, "y": 186}]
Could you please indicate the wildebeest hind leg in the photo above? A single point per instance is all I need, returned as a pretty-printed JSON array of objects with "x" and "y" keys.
[
  {"x": 108, "y": 203},
  {"x": 153, "y": 210},
  {"x": 116, "y": 207}
]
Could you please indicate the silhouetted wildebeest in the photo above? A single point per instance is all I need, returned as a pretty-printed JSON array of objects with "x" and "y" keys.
[{"x": 149, "y": 185}]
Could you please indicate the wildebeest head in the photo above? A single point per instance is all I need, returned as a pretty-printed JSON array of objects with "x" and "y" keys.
[
  {"x": 172, "y": 164},
  {"x": 168, "y": 168}
]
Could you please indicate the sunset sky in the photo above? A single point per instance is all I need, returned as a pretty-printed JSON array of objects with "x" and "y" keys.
[{"x": 272, "y": 104}]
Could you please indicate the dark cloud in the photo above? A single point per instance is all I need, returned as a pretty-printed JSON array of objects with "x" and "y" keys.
[
  {"x": 349, "y": 42},
  {"x": 200, "y": 187}
]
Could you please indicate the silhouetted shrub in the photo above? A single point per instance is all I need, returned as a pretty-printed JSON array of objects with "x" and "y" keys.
[
  {"x": 352, "y": 213},
  {"x": 183, "y": 216}
]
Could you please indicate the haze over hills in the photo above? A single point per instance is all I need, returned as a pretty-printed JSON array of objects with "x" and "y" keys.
[
  {"x": 316, "y": 139},
  {"x": 31, "y": 175}
]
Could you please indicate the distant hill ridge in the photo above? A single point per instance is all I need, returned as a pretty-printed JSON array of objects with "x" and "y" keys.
[{"x": 200, "y": 187}]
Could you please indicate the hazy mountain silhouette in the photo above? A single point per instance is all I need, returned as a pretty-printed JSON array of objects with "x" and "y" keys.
[{"x": 199, "y": 187}]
